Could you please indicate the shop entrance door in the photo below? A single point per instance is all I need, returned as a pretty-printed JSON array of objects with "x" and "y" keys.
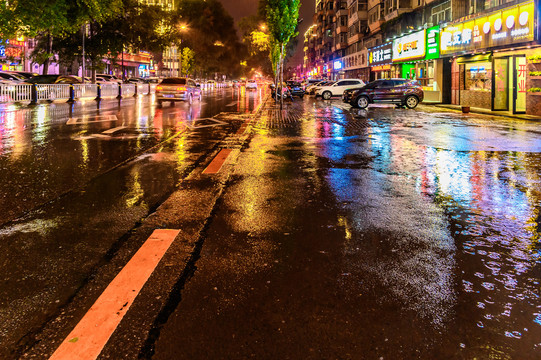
[
  {"x": 519, "y": 84},
  {"x": 500, "y": 84}
]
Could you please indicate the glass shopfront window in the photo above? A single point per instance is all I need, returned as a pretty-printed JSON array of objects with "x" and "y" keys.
[{"x": 478, "y": 76}]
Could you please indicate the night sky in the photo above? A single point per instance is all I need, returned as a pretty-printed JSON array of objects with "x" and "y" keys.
[{"x": 240, "y": 8}]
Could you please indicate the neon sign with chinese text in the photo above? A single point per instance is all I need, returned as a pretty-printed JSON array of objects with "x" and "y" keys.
[{"x": 511, "y": 25}]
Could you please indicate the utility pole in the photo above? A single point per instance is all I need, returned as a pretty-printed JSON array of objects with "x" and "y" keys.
[{"x": 84, "y": 69}]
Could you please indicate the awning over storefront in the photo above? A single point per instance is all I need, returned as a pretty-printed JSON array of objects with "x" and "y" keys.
[{"x": 474, "y": 58}]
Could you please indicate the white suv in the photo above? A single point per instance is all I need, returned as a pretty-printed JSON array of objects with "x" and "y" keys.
[{"x": 338, "y": 88}]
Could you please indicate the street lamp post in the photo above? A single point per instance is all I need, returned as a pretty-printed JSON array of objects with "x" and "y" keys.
[{"x": 182, "y": 28}]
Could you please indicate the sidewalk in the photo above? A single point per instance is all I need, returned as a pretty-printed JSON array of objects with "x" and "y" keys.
[{"x": 483, "y": 111}]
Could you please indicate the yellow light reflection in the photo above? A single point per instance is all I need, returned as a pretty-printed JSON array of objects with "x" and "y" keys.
[
  {"x": 135, "y": 191},
  {"x": 84, "y": 153}
]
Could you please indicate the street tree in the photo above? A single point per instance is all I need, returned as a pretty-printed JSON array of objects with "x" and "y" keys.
[
  {"x": 138, "y": 26},
  {"x": 187, "y": 61},
  {"x": 211, "y": 34},
  {"x": 54, "y": 18},
  {"x": 282, "y": 20}
]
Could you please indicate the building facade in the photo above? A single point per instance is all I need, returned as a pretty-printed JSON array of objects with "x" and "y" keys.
[{"x": 479, "y": 53}]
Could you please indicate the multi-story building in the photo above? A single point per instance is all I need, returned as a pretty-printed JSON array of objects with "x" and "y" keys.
[
  {"x": 482, "y": 53},
  {"x": 169, "y": 64}
]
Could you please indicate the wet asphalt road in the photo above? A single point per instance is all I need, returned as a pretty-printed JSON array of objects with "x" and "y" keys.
[
  {"x": 76, "y": 180},
  {"x": 333, "y": 233},
  {"x": 373, "y": 234}
]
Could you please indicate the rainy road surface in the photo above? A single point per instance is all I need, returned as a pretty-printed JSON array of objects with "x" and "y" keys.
[{"x": 324, "y": 233}]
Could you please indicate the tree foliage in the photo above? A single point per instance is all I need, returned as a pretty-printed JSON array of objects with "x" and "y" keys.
[
  {"x": 211, "y": 34},
  {"x": 188, "y": 61},
  {"x": 55, "y": 17},
  {"x": 138, "y": 26},
  {"x": 282, "y": 20}
]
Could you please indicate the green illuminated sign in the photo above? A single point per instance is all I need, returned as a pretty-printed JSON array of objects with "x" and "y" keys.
[{"x": 433, "y": 43}]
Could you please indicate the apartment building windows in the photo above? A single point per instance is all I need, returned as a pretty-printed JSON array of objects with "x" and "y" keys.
[
  {"x": 391, "y": 5},
  {"x": 362, "y": 5},
  {"x": 441, "y": 13}
]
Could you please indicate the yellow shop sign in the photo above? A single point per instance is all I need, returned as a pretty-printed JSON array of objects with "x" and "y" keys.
[{"x": 511, "y": 25}]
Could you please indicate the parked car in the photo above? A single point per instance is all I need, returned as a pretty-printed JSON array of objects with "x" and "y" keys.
[
  {"x": 152, "y": 80},
  {"x": 311, "y": 90},
  {"x": 25, "y": 74},
  {"x": 338, "y": 88},
  {"x": 54, "y": 79},
  {"x": 177, "y": 89},
  {"x": 110, "y": 78},
  {"x": 135, "y": 80},
  {"x": 310, "y": 82},
  {"x": 402, "y": 92},
  {"x": 295, "y": 88},
  {"x": 16, "y": 78},
  {"x": 251, "y": 84},
  {"x": 100, "y": 80}
]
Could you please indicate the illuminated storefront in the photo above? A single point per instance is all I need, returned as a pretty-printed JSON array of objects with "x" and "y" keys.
[
  {"x": 12, "y": 54},
  {"x": 416, "y": 57},
  {"x": 489, "y": 55},
  {"x": 380, "y": 60}
]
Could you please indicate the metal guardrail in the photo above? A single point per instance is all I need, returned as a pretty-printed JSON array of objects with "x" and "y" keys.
[
  {"x": 85, "y": 91},
  {"x": 127, "y": 90},
  {"x": 108, "y": 90},
  {"x": 15, "y": 93},
  {"x": 11, "y": 93},
  {"x": 52, "y": 92},
  {"x": 142, "y": 89}
]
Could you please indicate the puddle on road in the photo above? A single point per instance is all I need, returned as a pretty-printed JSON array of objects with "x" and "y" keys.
[{"x": 464, "y": 206}]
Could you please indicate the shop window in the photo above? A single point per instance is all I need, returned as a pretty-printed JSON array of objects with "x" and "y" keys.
[{"x": 478, "y": 76}]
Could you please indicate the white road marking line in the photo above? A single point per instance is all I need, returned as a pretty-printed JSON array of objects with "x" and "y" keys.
[
  {"x": 92, "y": 119},
  {"x": 113, "y": 130}
]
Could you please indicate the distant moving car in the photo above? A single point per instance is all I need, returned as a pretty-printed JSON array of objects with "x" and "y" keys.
[
  {"x": 401, "y": 92},
  {"x": 295, "y": 88},
  {"x": 338, "y": 88},
  {"x": 251, "y": 84},
  {"x": 177, "y": 89}
]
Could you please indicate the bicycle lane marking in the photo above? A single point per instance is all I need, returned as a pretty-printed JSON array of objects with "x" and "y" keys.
[{"x": 90, "y": 335}]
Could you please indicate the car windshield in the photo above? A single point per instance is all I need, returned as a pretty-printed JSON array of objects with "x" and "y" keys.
[{"x": 176, "y": 81}]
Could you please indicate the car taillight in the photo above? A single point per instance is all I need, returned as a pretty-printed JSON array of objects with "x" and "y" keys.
[
  {"x": 159, "y": 88},
  {"x": 181, "y": 88}
]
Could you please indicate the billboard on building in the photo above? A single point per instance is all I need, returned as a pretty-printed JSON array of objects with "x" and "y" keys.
[
  {"x": 410, "y": 47},
  {"x": 510, "y": 25},
  {"x": 380, "y": 55}
]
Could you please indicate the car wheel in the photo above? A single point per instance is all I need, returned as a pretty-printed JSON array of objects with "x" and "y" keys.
[
  {"x": 327, "y": 95},
  {"x": 362, "y": 102},
  {"x": 411, "y": 101}
]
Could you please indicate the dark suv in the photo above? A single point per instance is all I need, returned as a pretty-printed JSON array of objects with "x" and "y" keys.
[
  {"x": 295, "y": 88},
  {"x": 401, "y": 92}
]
